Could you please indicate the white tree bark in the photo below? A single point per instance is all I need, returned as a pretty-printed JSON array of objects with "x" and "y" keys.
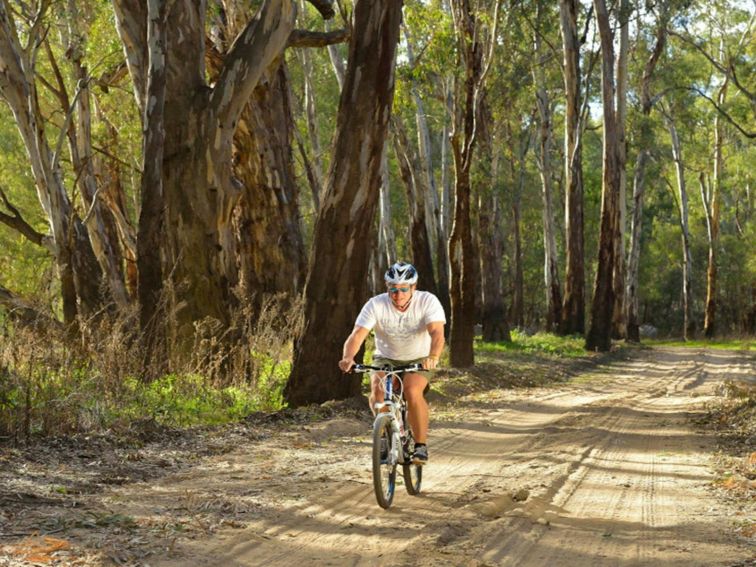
[
  {"x": 386, "y": 228},
  {"x": 546, "y": 133},
  {"x": 687, "y": 291}
]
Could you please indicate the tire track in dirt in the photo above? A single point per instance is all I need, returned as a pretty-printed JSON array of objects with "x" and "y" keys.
[{"x": 605, "y": 471}]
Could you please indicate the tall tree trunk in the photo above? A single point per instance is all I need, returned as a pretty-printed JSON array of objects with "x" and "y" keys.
[
  {"x": 414, "y": 181},
  {"x": 639, "y": 180},
  {"x": 79, "y": 272},
  {"x": 387, "y": 238},
  {"x": 442, "y": 210},
  {"x": 491, "y": 244},
  {"x": 98, "y": 220},
  {"x": 546, "y": 131},
  {"x": 270, "y": 246},
  {"x": 425, "y": 162},
  {"x": 150, "y": 229},
  {"x": 317, "y": 153},
  {"x": 711, "y": 204},
  {"x": 573, "y": 308},
  {"x": 518, "y": 169},
  {"x": 199, "y": 190},
  {"x": 263, "y": 248},
  {"x": 619, "y": 324},
  {"x": 461, "y": 249},
  {"x": 688, "y": 322},
  {"x": 599, "y": 334},
  {"x": 336, "y": 283}
]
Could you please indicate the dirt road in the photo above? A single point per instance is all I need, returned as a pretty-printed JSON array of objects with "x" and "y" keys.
[{"x": 606, "y": 469}]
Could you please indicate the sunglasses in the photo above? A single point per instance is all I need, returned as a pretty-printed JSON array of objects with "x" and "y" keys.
[{"x": 398, "y": 289}]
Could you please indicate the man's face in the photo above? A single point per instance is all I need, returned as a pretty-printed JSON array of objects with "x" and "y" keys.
[{"x": 400, "y": 294}]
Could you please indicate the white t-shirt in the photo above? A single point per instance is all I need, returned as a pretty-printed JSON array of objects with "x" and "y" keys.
[{"x": 401, "y": 335}]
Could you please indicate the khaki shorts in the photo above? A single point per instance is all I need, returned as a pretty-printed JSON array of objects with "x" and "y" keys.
[{"x": 393, "y": 363}]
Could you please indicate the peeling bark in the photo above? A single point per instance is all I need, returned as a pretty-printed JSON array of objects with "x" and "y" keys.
[
  {"x": 599, "y": 334},
  {"x": 573, "y": 307},
  {"x": 337, "y": 280}
]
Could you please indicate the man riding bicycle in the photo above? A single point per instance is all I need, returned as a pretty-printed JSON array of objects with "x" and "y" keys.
[{"x": 409, "y": 328}]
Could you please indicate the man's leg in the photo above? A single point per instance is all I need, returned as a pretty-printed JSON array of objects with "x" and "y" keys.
[
  {"x": 414, "y": 385},
  {"x": 376, "y": 390}
]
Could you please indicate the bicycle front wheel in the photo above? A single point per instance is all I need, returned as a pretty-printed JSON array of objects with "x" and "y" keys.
[
  {"x": 384, "y": 471},
  {"x": 413, "y": 474}
]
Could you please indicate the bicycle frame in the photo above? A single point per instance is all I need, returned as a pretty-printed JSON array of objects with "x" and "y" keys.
[
  {"x": 396, "y": 404},
  {"x": 392, "y": 439}
]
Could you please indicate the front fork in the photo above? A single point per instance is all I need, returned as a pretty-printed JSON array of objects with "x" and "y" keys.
[{"x": 396, "y": 455}]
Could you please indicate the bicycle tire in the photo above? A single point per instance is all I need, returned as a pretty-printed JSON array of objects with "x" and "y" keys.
[
  {"x": 413, "y": 474},
  {"x": 384, "y": 473}
]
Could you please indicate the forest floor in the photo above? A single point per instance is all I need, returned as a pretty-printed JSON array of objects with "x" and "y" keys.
[{"x": 607, "y": 460}]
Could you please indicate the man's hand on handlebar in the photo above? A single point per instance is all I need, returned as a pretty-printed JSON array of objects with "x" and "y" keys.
[
  {"x": 346, "y": 364},
  {"x": 430, "y": 362}
]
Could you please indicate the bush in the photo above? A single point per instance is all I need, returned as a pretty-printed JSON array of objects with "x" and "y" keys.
[{"x": 52, "y": 384}]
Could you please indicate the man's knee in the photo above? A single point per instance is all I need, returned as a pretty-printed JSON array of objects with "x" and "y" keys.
[{"x": 415, "y": 395}]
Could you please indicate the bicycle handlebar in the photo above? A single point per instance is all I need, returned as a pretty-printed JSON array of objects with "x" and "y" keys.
[{"x": 395, "y": 369}]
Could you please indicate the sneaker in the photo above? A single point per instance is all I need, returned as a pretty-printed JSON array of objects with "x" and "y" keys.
[{"x": 420, "y": 456}]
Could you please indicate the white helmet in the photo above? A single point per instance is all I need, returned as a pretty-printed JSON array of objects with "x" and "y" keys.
[{"x": 401, "y": 273}]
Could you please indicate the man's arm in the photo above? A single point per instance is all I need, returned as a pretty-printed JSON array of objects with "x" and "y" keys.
[
  {"x": 352, "y": 345},
  {"x": 436, "y": 331}
]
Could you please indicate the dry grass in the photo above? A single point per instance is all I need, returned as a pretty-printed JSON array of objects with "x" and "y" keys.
[
  {"x": 733, "y": 416},
  {"x": 52, "y": 383}
]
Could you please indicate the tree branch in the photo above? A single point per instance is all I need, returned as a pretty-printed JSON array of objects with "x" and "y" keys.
[
  {"x": 303, "y": 38},
  {"x": 17, "y": 222},
  {"x": 325, "y": 7},
  {"x": 262, "y": 40},
  {"x": 727, "y": 71},
  {"x": 724, "y": 113}
]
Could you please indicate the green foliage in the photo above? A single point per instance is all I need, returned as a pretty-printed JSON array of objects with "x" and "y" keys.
[
  {"x": 184, "y": 400},
  {"x": 542, "y": 343}
]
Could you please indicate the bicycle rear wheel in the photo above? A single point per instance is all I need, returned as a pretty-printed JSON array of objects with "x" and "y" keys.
[
  {"x": 384, "y": 472},
  {"x": 413, "y": 474}
]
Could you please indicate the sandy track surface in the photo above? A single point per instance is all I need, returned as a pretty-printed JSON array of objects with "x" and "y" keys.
[{"x": 605, "y": 470}]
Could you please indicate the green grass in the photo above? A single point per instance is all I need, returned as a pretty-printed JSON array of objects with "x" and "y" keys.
[
  {"x": 540, "y": 343},
  {"x": 44, "y": 401},
  {"x": 723, "y": 344}
]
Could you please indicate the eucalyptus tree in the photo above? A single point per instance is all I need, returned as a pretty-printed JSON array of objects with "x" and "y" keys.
[
  {"x": 646, "y": 139},
  {"x": 424, "y": 89},
  {"x": 191, "y": 192},
  {"x": 573, "y": 307},
  {"x": 724, "y": 39},
  {"x": 418, "y": 193},
  {"x": 337, "y": 276},
  {"x": 475, "y": 45},
  {"x": 683, "y": 209},
  {"x": 624, "y": 11},
  {"x": 599, "y": 333},
  {"x": 77, "y": 264},
  {"x": 491, "y": 238},
  {"x": 544, "y": 104}
]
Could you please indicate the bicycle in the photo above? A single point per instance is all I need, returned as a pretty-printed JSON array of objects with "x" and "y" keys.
[{"x": 392, "y": 436}]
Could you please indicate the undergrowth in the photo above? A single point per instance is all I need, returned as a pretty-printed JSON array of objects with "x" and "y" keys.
[
  {"x": 733, "y": 417},
  {"x": 53, "y": 385},
  {"x": 542, "y": 343}
]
